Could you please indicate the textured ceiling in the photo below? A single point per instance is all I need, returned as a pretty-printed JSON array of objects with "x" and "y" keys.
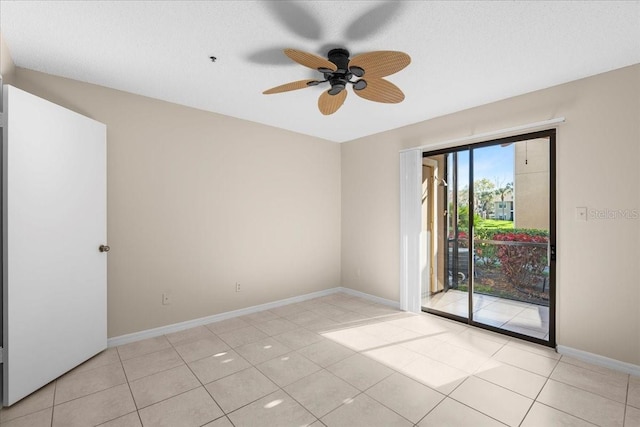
[{"x": 463, "y": 54}]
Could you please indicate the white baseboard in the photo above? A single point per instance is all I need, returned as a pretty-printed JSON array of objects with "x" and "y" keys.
[
  {"x": 585, "y": 356},
  {"x": 391, "y": 303},
  {"x": 596, "y": 359},
  {"x": 176, "y": 327}
]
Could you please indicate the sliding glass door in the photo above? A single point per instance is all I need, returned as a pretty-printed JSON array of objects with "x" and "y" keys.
[{"x": 489, "y": 216}]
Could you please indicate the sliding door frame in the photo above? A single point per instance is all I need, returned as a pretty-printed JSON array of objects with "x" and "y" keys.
[{"x": 551, "y": 135}]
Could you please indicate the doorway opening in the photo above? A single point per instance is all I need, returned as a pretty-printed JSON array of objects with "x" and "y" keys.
[{"x": 488, "y": 235}]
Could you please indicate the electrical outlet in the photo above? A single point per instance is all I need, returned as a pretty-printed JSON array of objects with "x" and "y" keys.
[
  {"x": 237, "y": 287},
  {"x": 166, "y": 300}
]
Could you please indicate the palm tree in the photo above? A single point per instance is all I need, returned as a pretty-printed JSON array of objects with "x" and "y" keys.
[{"x": 502, "y": 191}]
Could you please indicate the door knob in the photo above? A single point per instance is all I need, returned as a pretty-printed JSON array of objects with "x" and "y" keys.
[{"x": 104, "y": 248}]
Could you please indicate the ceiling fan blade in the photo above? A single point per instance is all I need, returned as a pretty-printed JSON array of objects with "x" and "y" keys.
[
  {"x": 329, "y": 104},
  {"x": 270, "y": 56},
  {"x": 380, "y": 63},
  {"x": 380, "y": 90},
  {"x": 300, "y": 84},
  {"x": 310, "y": 60},
  {"x": 371, "y": 22},
  {"x": 296, "y": 17}
]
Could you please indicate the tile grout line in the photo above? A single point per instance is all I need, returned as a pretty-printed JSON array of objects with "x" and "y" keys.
[
  {"x": 277, "y": 385},
  {"x": 470, "y": 407},
  {"x": 345, "y": 403},
  {"x": 592, "y": 370},
  {"x": 154, "y": 373},
  {"x": 626, "y": 400},
  {"x": 588, "y": 391},
  {"x": 299, "y": 403},
  {"x": 628, "y": 380},
  {"x": 520, "y": 367},
  {"x": 93, "y": 393},
  {"x": 567, "y": 413},
  {"x": 393, "y": 410},
  {"x": 508, "y": 389},
  {"x": 360, "y": 392},
  {"x": 196, "y": 377},
  {"x": 226, "y": 414},
  {"x": 370, "y": 319},
  {"x": 561, "y": 410},
  {"x": 89, "y": 394},
  {"x": 252, "y": 366},
  {"x": 53, "y": 402},
  {"x": 129, "y": 385},
  {"x": 431, "y": 410},
  {"x": 533, "y": 402},
  {"x": 304, "y": 357},
  {"x": 55, "y": 383},
  {"x": 502, "y": 387}
]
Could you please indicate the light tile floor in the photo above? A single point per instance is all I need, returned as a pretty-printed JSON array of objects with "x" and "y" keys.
[
  {"x": 332, "y": 361},
  {"x": 525, "y": 318}
]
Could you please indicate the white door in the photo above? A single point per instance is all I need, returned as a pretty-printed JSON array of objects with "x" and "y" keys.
[{"x": 54, "y": 221}]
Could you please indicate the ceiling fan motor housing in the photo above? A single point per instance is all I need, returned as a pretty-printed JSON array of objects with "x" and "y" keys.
[
  {"x": 340, "y": 57},
  {"x": 339, "y": 78}
]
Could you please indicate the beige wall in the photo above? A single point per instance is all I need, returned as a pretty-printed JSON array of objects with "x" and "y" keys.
[
  {"x": 199, "y": 201},
  {"x": 7, "y": 67},
  {"x": 598, "y": 153},
  {"x": 531, "y": 184}
]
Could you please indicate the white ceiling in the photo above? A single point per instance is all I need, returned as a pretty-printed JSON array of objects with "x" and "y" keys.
[{"x": 463, "y": 54}]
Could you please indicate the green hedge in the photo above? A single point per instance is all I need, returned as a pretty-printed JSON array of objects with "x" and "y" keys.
[
  {"x": 489, "y": 233},
  {"x": 488, "y": 253}
]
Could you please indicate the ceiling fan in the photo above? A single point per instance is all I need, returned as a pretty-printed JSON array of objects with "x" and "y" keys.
[{"x": 364, "y": 72}]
